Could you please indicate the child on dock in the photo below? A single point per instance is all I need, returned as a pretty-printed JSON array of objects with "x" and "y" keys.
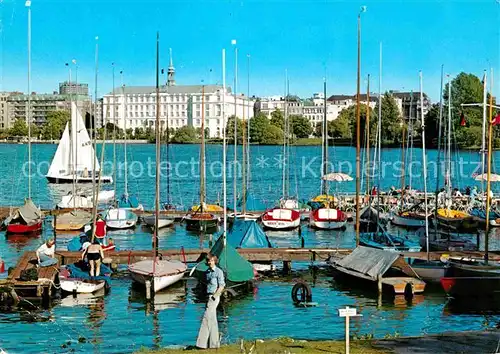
[{"x": 45, "y": 253}]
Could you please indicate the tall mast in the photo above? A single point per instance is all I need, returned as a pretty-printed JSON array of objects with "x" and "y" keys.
[
  {"x": 358, "y": 142},
  {"x": 125, "y": 130},
  {"x": 324, "y": 183},
  {"x": 169, "y": 201},
  {"x": 439, "y": 146},
  {"x": 483, "y": 142},
  {"x": 235, "y": 169},
  {"x": 424, "y": 162},
  {"x": 284, "y": 137},
  {"x": 448, "y": 172},
  {"x": 367, "y": 124},
  {"x": 488, "y": 186},
  {"x": 157, "y": 134},
  {"x": 202, "y": 151},
  {"x": 248, "y": 123},
  {"x": 379, "y": 132},
  {"x": 114, "y": 128},
  {"x": 93, "y": 135},
  {"x": 244, "y": 163},
  {"x": 28, "y": 109},
  {"x": 224, "y": 152}
]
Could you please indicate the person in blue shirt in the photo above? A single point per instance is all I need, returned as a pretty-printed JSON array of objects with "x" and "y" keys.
[{"x": 208, "y": 336}]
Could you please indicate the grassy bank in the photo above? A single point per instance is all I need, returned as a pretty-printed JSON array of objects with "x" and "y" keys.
[{"x": 284, "y": 345}]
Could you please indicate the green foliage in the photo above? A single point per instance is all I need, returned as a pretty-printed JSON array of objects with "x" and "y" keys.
[
  {"x": 340, "y": 128},
  {"x": 54, "y": 124},
  {"x": 318, "y": 129},
  {"x": 185, "y": 135},
  {"x": 19, "y": 128},
  {"x": 263, "y": 132},
  {"x": 465, "y": 88},
  {"x": 272, "y": 136},
  {"x": 139, "y": 133},
  {"x": 277, "y": 119},
  {"x": 112, "y": 130},
  {"x": 300, "y": 126},
  {"x": 392, "y": 122},
  {"x": 230, "y": 130}
]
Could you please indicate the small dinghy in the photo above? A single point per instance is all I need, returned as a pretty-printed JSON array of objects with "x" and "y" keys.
[{"x": 75, "y": 278}]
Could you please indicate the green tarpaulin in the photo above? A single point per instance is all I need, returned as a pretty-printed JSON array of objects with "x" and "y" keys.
[{"x": 235, "y": 267}]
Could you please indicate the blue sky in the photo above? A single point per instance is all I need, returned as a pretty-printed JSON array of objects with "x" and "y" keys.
[{"x": 308, "y": 38}]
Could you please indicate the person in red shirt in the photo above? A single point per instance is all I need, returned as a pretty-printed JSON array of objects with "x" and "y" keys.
[{"x": 100, "y": 227}]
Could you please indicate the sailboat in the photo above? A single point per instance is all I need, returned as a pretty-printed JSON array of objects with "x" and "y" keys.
[
  {"x": 200, "y": 217},
  {"x": 73, "y": 158},
  {"x": 157, "y": 274},
  {"x": 28, "y": 218},
  {"x": 287, "y": 215},
  {"x": 326, "y": 217},
  {"x": 122, "y": 216}
]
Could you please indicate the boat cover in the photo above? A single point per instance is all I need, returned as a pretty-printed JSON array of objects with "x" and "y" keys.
[
  {"x": 28, "y": 212},
  {"x": 162, "y": 267},
  {"x": 369, "y": 261},
  {"x": 235, "y": 267},
  {"x": 128, "y": 202},
  {"x": 247, "y": 234},
  {"x": 81, "y": 270}
]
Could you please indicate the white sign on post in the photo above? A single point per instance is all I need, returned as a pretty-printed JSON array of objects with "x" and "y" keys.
[{"x": 347, "y": 313}]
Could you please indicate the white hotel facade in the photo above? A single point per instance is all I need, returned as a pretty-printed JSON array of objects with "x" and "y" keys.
[{"x": 135, "y": 107}]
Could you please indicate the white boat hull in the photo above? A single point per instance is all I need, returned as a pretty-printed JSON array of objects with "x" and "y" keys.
[
  {"x": 162, "y": 221},
  {"x": 81, "y": 286},
  {"x": 327, "y": 225},
  {"x": 246, "y": 216},
  {"x": 281, "y": 224},
  {"x": 158, "y": 282},
  {"x": 120, "y": 219}
]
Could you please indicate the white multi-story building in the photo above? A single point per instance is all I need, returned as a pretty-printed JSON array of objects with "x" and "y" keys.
[{"x": 135, "y": 107}]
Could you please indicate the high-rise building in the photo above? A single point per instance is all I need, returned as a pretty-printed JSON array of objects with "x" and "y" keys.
[{"x": 73, "y": 88}]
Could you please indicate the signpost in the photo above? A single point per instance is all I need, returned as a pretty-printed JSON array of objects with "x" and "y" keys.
[{"x": 347, "y": 313}]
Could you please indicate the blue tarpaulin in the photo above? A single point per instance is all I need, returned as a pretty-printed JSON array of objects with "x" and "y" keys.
[
  {"x": 81, "y": 270},
  {"x": 247, "y": 234},
  {"x": 128, "y": 202}
]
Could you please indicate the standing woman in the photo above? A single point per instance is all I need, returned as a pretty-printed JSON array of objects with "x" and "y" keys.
[
  {"x": 208, "y": 336},
  {"x": 94, "y": 255}
]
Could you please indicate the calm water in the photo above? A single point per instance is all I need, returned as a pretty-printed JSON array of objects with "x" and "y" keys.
[{"x": 122, "y": 322}]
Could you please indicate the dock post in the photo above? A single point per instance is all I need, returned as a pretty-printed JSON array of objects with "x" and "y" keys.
[
  {"x": 379, "y": 283},
  {"x": 287, "y": 267},
  {"x": 347, "y": 335},
  {"x": 148, "y": 290}
]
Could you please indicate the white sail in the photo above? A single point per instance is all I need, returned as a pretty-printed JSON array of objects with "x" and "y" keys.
[
  {"x": 83, "y": 152},
  {"x": 60, "y": 162},
  {"x": 75, "y": 154}
]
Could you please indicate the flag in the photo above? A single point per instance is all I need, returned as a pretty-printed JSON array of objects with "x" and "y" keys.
[
  {"x": 463, "y": 123},
  {"x": 496, "y": 120}
]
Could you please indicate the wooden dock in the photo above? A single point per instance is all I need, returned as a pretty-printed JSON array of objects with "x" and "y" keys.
[{"x": 40, "y": 289}]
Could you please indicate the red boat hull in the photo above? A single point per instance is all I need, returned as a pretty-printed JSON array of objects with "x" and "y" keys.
[{"x": 16, "y": 228}]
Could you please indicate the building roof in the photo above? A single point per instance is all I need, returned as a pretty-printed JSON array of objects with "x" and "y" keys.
[
  {"x": 47, "y": 97},
  {"x": 178, "y": 89},
  {"x": 362, "y": 97},
  {"x": 407, "y": 95}
]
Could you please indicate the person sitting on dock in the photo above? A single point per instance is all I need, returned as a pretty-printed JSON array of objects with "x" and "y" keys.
[
  {"x": 45, "y": 253},
  {"x": 110, "y": 246},
  {"x": 208, "y": 336},
  {"x": 94, "y": 255}
]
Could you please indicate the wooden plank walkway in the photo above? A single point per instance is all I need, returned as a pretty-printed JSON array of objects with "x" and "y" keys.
[
  {"x": 265, "y": 254},
  {"x": 38, "y": 289}
]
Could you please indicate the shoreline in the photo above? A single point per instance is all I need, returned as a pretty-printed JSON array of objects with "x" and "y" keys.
[{"x": 486, "y": 341}]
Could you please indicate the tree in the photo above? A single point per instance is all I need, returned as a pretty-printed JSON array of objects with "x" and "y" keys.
[
  {"x": 272, "y": 136},
  {"x": 230, "y": 130},
  {"x": 129, "y": 133},
  {"x": 392, "y": 121},
  {"x": 139, "y": 133},
  {"x": 55, "y": 122},
  {"x": 263, "y": 132},
  {"x": 300, "y": 126},
  {"x": 318, "y": 129},
  {"x": 340, "y": 128},
  {"x": 19, "y": 128},
  {"x": 432, "y": 126},
  {"x": 185, "y": 135},
  {"x": 277, "y": 119}
]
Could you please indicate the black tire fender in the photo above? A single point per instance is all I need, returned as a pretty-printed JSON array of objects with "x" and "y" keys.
[{"x": 301, "y": 292}]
